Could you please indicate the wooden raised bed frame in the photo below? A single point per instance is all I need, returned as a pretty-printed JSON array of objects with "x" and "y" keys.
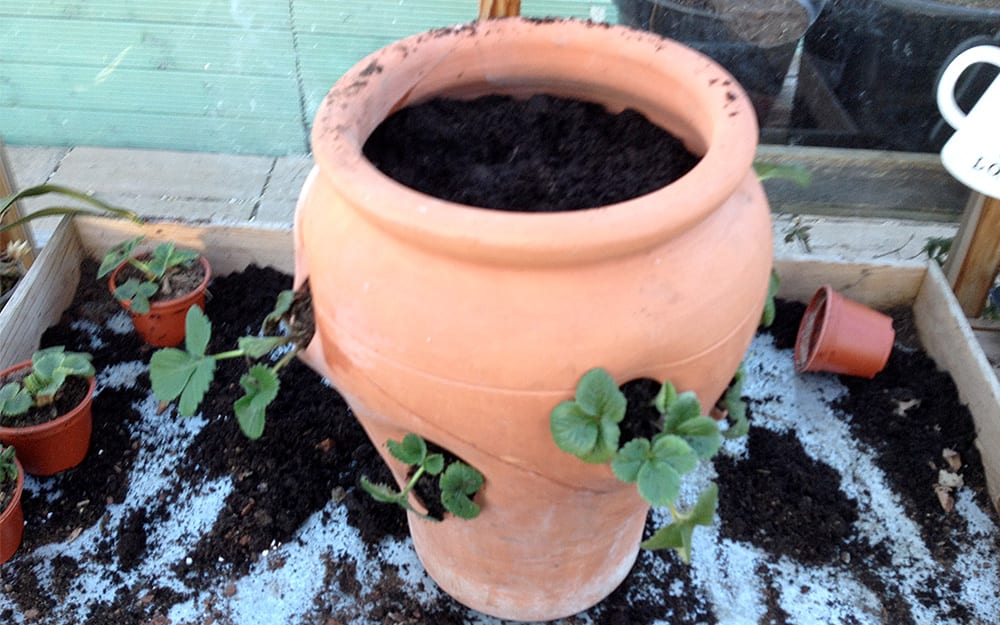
[{"x": 48, "y": 288}]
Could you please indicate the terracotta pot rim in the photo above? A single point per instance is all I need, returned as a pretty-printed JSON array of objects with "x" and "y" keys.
[
  {"x": 174, "y": 301},
  {"x": 16, "y": 500},
  {"x": 56, "y": 423},
  {"x": 720, "y": 120}
]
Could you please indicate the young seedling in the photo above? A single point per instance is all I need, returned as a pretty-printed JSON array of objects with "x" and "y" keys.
[
  {"x": 458, "y": 482},
  {"x": 770, "y": 310},
  {"x": 8, "y": 470},
  {"x": 156, "y": 270},
  {"x": 104, "y": 209},
  {"x": 733, "y": 406},
  {"x": 187, "y": 374},
  {"x": 588, "y": 428},
  {"x": 12, "y": 264},
  {"x": 49, "y": 369}
]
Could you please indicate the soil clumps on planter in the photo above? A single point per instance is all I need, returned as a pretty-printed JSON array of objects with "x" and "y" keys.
[
  {"x": 285, "y": 516},
  {"x": 541, "y": 154}
]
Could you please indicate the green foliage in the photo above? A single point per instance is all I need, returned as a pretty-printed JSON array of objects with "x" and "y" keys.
[
  {"x": 587, "y": 427},
  {"x": 796, "y": 173},
  {"x": 458, "y": 482},
  {"x": 656, "y": 466},
  {"x": 187, "y": 374},
  {"x": 14, "y": 400},
  {"x": 678, "y": 534},
  {"x": 156, "y": 268},
  {"x": 8, "y": 470},
  {"x": 767, "y": 317},
  {"x": 49, "y": 369},
  {"x": 798, "y": 231},
  {"x": 103, "y": 209},
  {"x": 938, "y": 248},
  {"x": 734, "y": 406}
]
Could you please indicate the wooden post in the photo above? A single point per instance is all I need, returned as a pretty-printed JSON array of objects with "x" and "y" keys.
[
  {"x": 20, "y": 233},
  {"x": 974, "y": 259},
  {"x": 499, "y": 8}
]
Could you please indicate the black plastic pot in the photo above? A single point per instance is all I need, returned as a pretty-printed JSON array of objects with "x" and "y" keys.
[
  {"x": 755, "y": 41},
  {"x": 869, "y": 70}
]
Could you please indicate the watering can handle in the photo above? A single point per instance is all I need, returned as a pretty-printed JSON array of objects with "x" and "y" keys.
[{"x": 948, "y": 105}]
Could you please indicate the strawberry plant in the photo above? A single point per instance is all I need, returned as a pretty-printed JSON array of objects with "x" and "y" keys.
[
  {"x": 156, "y": 269},
  {"x": 49, "y": 369},
  {"x": 588, "y": 427},
  {"x": 458, "y": 482},
  {"x": 186, "y": 374}
]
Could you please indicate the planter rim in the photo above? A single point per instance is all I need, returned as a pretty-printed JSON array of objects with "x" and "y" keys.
[
  {"x": 167, "y": 303},
  {"x": 720, "y": 119},
  {"x": 54, "y": 423}
]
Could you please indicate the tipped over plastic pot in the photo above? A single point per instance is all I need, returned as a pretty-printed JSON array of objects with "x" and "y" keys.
[{"x": 838, "y": 335}]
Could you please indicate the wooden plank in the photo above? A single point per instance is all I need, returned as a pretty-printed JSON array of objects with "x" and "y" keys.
[
  {"x": 973, "y": 264},
  {"x": 41, "y": 296},
  {"x": 876, "y": 284},
  {"x": 865, "y": 183},
  {"x": 228, "y": 248},
  {"x": 194, "y": 94},
  {"x": 950, "y": 341},
  {"x": 18, "y": 233}
]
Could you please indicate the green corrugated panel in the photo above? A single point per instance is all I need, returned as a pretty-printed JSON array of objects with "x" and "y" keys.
[
  {"x": 167, "y": 132},
  {"x": 145, "y": 46},
  {"x": 233, "y": 13},
  {"x": 146, "y": 91},
  {"x": 330, "y": 42}
]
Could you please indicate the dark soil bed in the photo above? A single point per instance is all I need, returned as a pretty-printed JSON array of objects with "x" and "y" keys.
[{"x": 278, "y": 530}]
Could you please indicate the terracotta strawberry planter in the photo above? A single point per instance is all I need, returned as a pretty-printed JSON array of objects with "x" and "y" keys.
[
  {"x": 467, "y": 326},
  {"x": 54, "y": 446},
  {"x": 838, "y": 335},
  {"x": 12, "y": 520},
  {"x": 163, "y": 325}
]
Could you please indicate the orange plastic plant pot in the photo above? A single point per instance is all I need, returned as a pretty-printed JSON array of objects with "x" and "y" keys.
[
  {"x": 163, "y": 325},
  {"x": 12, "y": 520},
  {"x": 467, "y": 326},
  {"x": 54, "y": 446},
  {"x": 838, "y": 335}
]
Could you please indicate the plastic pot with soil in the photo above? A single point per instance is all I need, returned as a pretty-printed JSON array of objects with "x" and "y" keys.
[
  {"x": 754, "y": 40},
  {"x": 878, "y": 62},
  {"x": 482, "y": 311},
  {"x": 11, "y": 514},
  {"x": 45, "y": 410},
  {"x": 157, "y": 288}
]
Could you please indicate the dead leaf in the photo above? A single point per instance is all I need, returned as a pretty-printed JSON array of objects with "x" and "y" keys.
[
  {"x": 74, "y": 535},
  {"x": 950, "y": 480},
  {"x": 952, "y": 458},
  {"x": 944, "y": 498}
]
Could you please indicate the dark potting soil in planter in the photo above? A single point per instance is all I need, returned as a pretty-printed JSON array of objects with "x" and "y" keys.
[
  {"x": 303, "y": 474},
  {"x": 180, "y": 280},
  {"x": 540, "y": 154}
]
